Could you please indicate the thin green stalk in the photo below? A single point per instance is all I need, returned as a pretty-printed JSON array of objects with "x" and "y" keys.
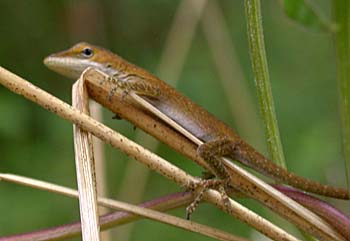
[
  {"x": 341, "y": 38},
  {"x": 262, "y": 80}
]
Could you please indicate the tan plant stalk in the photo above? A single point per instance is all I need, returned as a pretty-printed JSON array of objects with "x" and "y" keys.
[
  {"x": 113, "y": 204},
  {"x": 85, "y": 168}
]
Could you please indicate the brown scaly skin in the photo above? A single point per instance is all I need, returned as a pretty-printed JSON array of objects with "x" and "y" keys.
[{"x": 181, "y": 109}]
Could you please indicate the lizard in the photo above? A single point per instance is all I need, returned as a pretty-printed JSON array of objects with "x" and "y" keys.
[{"x": 218, "y": 139}]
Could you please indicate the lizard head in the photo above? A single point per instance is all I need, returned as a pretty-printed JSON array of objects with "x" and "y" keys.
[{"x": 72, "y": 62}]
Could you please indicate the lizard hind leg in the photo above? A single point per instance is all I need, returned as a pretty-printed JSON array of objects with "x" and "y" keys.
[{"x": 212, "y": 152}]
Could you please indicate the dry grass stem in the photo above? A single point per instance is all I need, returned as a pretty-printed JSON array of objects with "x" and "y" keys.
[
  {"x": 85, "y": 168},
  {"x": 113, "y": 204},
  {"x": 117, "y": 218},
  {"x": 98, "y": 147}
]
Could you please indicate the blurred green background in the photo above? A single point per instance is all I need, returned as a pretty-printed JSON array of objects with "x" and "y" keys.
[{"x": 38, "y": 144}]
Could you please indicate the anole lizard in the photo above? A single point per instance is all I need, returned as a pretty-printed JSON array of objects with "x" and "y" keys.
[{"x": 218, "y": 138}]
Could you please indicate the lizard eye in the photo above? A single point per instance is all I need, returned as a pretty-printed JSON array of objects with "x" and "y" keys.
[{"x": 87, "y": 52}]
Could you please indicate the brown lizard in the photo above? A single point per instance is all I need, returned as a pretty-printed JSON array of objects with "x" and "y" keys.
[{"x": 219, "y": 139}]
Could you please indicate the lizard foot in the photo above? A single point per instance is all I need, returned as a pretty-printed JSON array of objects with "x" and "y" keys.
[{"x": 201, "y": 187}]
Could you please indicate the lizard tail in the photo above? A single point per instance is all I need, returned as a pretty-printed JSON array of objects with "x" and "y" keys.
[{"x": 249, "y": 157}]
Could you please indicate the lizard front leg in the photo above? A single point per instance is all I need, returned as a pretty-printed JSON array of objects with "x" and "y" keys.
[
  {"x": 212, "y": 152},
  {"x": 133, "y": 83}
]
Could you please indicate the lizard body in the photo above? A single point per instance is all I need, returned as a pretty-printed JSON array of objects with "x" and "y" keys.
[{"x": 213, "y": 132}]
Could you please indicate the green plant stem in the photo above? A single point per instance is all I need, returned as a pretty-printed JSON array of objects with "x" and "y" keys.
[
  {"x": 262, "y": 80},
  {"x": 341, "y": 37}
]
